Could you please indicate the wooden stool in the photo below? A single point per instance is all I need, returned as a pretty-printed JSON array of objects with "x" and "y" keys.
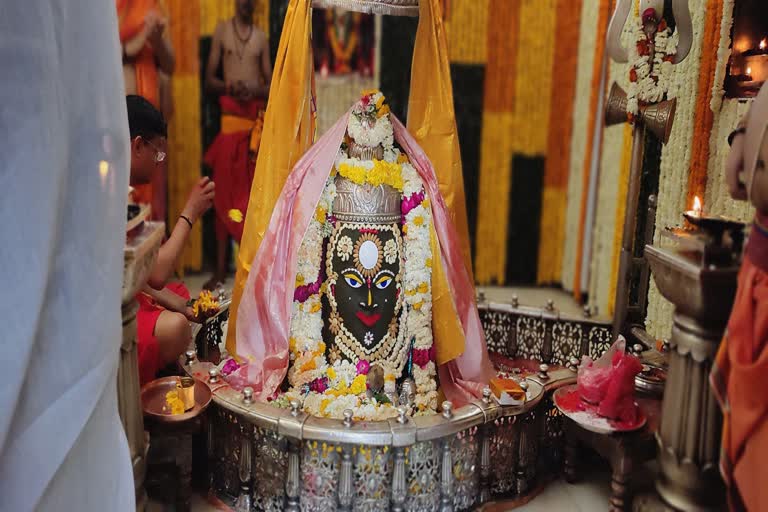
[
  {"x": 624, "y": 451},
  {"x": 169, "y": 471}
]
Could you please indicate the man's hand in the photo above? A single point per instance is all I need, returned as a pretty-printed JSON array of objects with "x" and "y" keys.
[
  {"x": 155, "y": 26},
  {"x": 239, "y": 91},
  {"x": 253, "y": 90},
  {"x": 191, "y": 316},
  {"x": 734, "y": 166},
  {"x": 200, "y": 199}
]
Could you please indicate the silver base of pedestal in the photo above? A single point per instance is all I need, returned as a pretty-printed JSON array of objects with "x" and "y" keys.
[{"x": 273, "y": 460}]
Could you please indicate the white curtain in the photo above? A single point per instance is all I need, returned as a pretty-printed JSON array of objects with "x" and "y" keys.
[{"x": 63, "y": 182}]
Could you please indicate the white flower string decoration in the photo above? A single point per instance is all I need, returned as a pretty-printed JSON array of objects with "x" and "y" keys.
[
  {"x": 651, "y": 61},
  {"x": 390, "y": 252}
]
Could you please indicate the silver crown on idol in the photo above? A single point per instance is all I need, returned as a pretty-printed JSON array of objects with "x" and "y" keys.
[{"x": 366, "y": 203}]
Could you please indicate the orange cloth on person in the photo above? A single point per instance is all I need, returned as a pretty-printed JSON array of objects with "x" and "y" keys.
[
  {"x": 737, "y": 376},
  {"x": 131, "y": 15}
]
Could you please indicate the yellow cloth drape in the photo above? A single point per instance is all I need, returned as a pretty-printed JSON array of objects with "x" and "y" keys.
[
  {"x": 432, "y": 122},
  {"x": 288, "y": 134}
]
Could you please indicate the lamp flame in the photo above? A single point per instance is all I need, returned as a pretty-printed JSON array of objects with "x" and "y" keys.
[
  {"x": 749, "y": 71},
  {"x": 763, "y": 44},
  {"x": 697, "y": 204}
]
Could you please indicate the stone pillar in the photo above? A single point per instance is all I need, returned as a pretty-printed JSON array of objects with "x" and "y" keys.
[
  {"x": 139, "y": 256},
  {"x": 690, "y": 425}
]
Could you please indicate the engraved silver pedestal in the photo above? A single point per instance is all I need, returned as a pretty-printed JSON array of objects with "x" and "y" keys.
[{"x": 452, "y": 461}]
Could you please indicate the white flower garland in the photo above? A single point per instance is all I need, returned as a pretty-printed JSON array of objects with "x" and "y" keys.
[
  {"x": 306, "y": 333},
  {"x": 418, "y": 288},
  {"x": 651, "y": 82},
  {"x": 723, "y": 56},
  {"x": 367, "y": 126},
  {"x": 675, "y": 163}
]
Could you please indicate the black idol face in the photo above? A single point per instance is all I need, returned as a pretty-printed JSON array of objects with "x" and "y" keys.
[{"x": 365, "y": 280}]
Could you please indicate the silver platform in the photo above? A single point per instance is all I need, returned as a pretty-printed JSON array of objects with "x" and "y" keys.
[{"x": 261, "y": 457}]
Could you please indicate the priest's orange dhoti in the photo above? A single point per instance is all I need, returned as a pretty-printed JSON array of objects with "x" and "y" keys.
[{"x": 738, "y": 379}]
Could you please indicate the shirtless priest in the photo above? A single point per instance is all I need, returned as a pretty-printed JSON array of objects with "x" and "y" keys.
[
  {"x": 242, "y": 51},
  {"x": 162, "y": 322}
]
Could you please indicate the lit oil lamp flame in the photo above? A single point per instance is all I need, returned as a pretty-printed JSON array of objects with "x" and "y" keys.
[
  {"x": 696, "y": 205},
  {"x": 763, "y": 44},
  {"x": 749, "y": 71}
]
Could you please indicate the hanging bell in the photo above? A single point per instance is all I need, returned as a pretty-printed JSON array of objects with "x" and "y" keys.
[
  {"x": 658, "y": 118},
  {"x": 616, "y": 107}
]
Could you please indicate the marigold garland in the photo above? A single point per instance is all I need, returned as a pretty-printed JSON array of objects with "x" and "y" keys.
[
  {"x": 697, "y": 175},
  {"x": 597, "y": 64},
  {"x": 554, "y": 200},
  {"x": 621, "y": 206},
  {"x": 588, "y": 38},
  {"x": 376, "y": 172},
  {"x": 467, "y": 31}
]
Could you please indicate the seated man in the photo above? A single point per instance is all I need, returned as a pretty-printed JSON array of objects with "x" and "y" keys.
[{"x": 163, "y": 329}]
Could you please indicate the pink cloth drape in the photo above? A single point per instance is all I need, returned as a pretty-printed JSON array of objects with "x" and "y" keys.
[{"x": 264, "y": 315}]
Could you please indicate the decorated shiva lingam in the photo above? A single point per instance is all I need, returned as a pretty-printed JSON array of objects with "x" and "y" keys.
[
  {"x": 350, "y": 413},
  {"x": 696, "y": 269}
]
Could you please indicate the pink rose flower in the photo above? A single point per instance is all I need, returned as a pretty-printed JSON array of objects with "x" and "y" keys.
[
  {"x": 421, "y": 357},
  {"x": 412, "y": 202},
  {"x": 229, "y": 367},
  {"x": 319, "y": 385},
  {"x": 363, "y": 367}
]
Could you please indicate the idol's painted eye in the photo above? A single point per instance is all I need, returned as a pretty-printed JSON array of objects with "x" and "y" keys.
[
  {"x": 383, "y": 282},
  {"x": 353, "y": 280}
]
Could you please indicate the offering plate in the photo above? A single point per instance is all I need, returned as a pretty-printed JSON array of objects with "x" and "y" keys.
[
  {"x": 153, "y": 400},
  {"x": 570, "y": 403}
]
